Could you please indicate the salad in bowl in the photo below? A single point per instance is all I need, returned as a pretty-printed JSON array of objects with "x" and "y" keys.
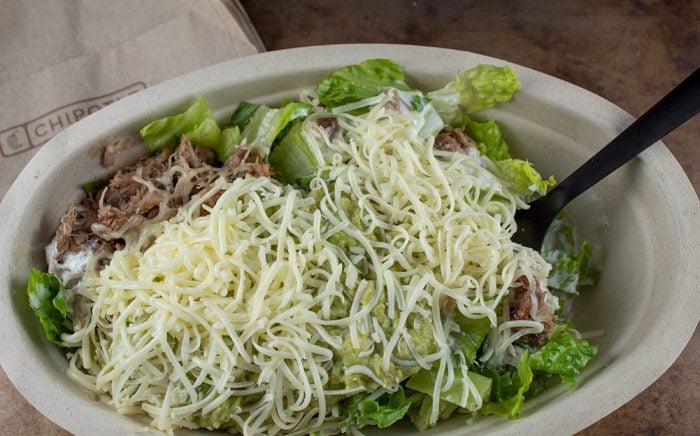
[{"x": 338, "y": 261}]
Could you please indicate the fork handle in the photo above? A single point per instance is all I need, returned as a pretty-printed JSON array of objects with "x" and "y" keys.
[{"x": 678, "y": 106}]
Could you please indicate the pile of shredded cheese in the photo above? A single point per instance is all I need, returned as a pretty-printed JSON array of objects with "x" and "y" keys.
[{"x": 238, "y": 317}]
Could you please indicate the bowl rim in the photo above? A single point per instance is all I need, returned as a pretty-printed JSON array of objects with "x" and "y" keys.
[{"x": 27, "y": 374}]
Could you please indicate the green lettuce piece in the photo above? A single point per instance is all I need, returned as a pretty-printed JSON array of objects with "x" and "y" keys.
[
  {"x": 222, "y": 142},
  {"x": 488, "y": 138},
  {"x": 228, "y": 142},
  {"x": 382, "y": 412},
  {"x": 266, "y": 124},
  {"x": 424, "y": 381},
  {"x": 563, "y": 355},
  {"x": 48, "y": 299},
  {"x": 499, "y": 382},
  {"x": 514, "y": 386},
  {"x": 570, "y": 267},
  {"x": 420, "y": 415},
  {"x": 418, "y": 101},
  {"x": 524, "y": 177},
  {"x": 243, "y": 113},
  {"x": 164, "y": 132},
  {"x": 94, "y": 185},
  {"x": 292, "y": 160},
  {"x": 480, "y": 88},
  {"x": 570, "y": 271},
  {"x": 260, "y": 125},
  {"x": 471, "y": 335},
  {"x": 358, "y": 82},
  {"x": 207, "y": 134}
]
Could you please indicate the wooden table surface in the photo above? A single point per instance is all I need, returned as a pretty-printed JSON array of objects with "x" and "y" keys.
[{"x": 630, "y": 52}]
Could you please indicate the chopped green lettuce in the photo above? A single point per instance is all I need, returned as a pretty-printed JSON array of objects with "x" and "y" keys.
[
  {"x": 48, "y": 299},
  {"x": 381, "y": 412},
  {"x": 358, "y": 82},
  {"x": 420, "y": 415},
  {"x": 471, "y": 335},
  {"x": 94, "y": 185},
  {"x": 479, "y": 88},
  {"x": 524, "y": 177},
  {"x": 563, "y": 355},
  {"x": 229, "y": 140},
  {"x": 512, "y": 387},
  {"x": 267, "y": 123},
  {"x": 243, "y": 113},
  {"x": 164, "y": 132},
  {"x": 488, "y": 138},
  {"x": 418, "y": 101},
  {"x": 292, "y": 160},
  {"x": 570, "y": 267},
  {"x": 195, "y": 124},
  {"x": 499, "y": 382},
  {"x": 424, "y": 381},
  {"x": 207, "y": 134}
]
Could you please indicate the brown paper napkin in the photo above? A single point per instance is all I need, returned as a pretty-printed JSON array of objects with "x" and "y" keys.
[{"x": 63, "y": 60}]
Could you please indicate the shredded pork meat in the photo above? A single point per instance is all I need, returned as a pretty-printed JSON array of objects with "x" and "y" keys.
[
  {"x": 246, "y": 161},
  {"x": 150, "y": 190},
  {"x": 454, "y": 139},
  {"x": 521, "y": 300},
  {"x": 73, "y": 232}
]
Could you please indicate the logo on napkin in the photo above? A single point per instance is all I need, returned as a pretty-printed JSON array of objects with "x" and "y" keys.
[{"x": 38, "y": 131}]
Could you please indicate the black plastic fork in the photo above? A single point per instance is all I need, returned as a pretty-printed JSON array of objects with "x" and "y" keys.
[{"x": 678, "y": 106}]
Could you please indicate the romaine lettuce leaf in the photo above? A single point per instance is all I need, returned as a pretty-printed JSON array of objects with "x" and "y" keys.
[
  {"x": 266, "y": 124},
  {"x": 420, "y": 415},
  {"x": 570, "y": 271},
  {"x": 164, "y": 132},
  {"x": 570, "y": 267},
  {"x": 382, "y": 412},
  {"x": 488, "y": 138},
  {"x": 513, "y": 385},
  {"x": 228, "y": 141},
  {"x": 563, "y": 355},
  {"x": 207, "y": 134},
  {"x": 424, "y": 381},
  {"x": 197, "y": 125},
  {"x": 292, "y": 160},
  {"x": 471, "y": 335},
  {"x": 358, "y": 82},
  {"x": 524, "y": 177},
  {"x": 94, "y": 185},
  {"x": 243, "y": 113},
  {"x": 417, "y": 100},
  {"x": 48, "y": 299},
  {"x": 479, "y": 88}
]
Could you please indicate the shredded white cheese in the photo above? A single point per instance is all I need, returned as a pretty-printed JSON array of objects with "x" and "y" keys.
[{"x": 244, "y": 312}]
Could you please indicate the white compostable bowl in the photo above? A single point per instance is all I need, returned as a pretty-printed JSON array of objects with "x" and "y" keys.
[{"x": 642, "y": 221}]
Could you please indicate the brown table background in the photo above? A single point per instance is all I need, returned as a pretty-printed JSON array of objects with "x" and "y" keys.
[{"x": 630, "y": 52}]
